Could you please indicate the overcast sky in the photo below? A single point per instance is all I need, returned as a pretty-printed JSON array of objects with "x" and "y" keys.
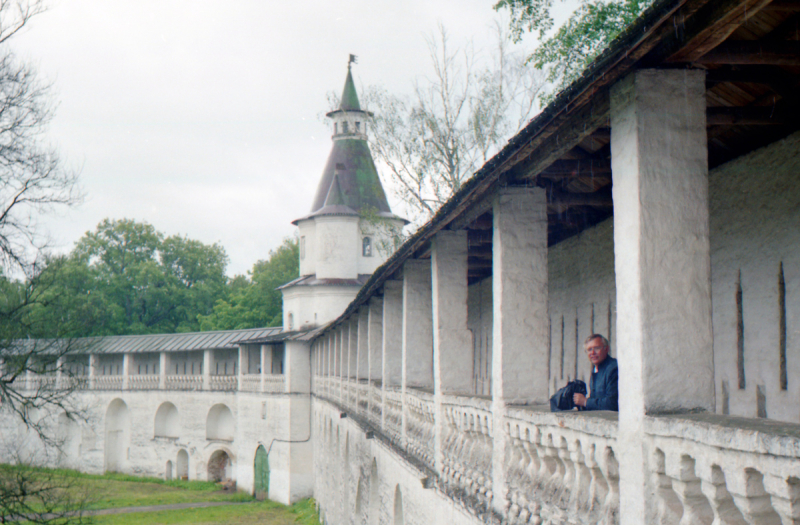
[{"x": 201, "y": 117}]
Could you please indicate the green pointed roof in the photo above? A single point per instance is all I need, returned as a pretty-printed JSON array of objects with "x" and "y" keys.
[
  {"x": 349, "y": 100},
  {"x": 334, "y": 197}
]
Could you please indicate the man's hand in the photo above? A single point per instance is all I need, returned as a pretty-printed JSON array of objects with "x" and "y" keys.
[{"x": 579, "y": 400}]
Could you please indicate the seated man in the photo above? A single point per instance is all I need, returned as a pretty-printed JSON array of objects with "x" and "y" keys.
[{"x": 603, "y": 389}]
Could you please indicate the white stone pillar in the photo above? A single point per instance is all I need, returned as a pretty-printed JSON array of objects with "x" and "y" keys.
[
  {"x": 297, "y": 367},
  {"x": 59, "y": 372},
  {"x": 520, "y": 326},
  {"x": 266, "y": 365},
  {"x": 208, "y": 362},
  {"x": 417, "y": 324},
  {"x": 244, "y": 365},
  {"x": 362, "y": 351},
  {"x": 126, "y": 371},
  {"x": 452, "y": 341},
  {"x": 375, "y": 339},
  {"x": 92, "y": 370},
  {"x": 352, "y": 352},
  {"x": 163, "y": 366},
  {"x": 662, "y": 260},
  {"x": 391, "y": 344}
]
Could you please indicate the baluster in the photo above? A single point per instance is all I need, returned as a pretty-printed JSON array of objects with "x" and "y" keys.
[
  {"x": 598, "y": 487},
  {"x": 611, "y": 472},
  {"x": 785, "y": 494},
  {"x": 669, "y": 508},
  {"x": 582, "y": 481},
  {"x": 696, "y": 509},
  {"x": 747, "y": 489},
  {"x": 713, "y": 486}
]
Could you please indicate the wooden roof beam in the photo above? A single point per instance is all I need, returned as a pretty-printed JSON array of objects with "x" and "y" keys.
[
  {"x": 746, "y": 116},
  {"x": 754, "y": 53}
]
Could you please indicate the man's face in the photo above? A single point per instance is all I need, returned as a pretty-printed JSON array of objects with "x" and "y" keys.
[{"x": 596, "y": 351}]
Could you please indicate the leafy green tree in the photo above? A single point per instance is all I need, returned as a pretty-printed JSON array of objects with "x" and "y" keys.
[
  {"x": 565, "y": 51},
  {"x": 126, "y": 278},
  {"x": 256, "y": 301}
]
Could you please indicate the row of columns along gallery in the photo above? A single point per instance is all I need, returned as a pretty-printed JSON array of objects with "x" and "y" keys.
[{"x": 415, "y": 334}]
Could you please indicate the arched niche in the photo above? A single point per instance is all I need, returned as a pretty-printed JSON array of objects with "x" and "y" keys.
[
  {"x": 219, "y": 423},
  {"x": 117, "y": 436},
  {"x": 182, "y": 465},
  {"x": 374, "y": 494},
  {"x": 167, "y": 423},
  {"x": 168, "y": 471},
  {"x": 398, "y": 506}
]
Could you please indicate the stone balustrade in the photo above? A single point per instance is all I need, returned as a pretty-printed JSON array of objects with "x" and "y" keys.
[
  {"x": 708, "y": 468},
  {"x": 563, "y": 467},
  {"x": 143, "y": 382},
  {"x": 223, "y": 383},
  {"x": 467, "y": 445},
  {"x": 184, "y": 382},
  {"x": 107, "y": 383},
  {"x": 250, "y": 383},
  {"x": 274, "y": 384},
  {"x": 567, "y": 461}
]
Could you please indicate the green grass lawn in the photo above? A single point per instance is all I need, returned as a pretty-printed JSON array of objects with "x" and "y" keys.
[
  {"x": 119, "y": 490},
  {"x": 261, "y": 513}
]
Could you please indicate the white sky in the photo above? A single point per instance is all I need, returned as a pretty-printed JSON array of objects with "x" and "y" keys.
[{"x": 200, "y": 117}]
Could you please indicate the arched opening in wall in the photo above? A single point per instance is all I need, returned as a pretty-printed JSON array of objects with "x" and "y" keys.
[
  {"x": 220, "y": 424},
  {"x": 220, "y": 466},
  {"x": 168, "y": 471},
  {"x": 261, "y": 474},
  {"x": 182, "y": 465},
  {"x": 374, "y": 496},
  {"x": 167, "y": 423},
  {"x": 358, "y": 502},
  {"x": 69, "y": 441},
  {"x": 398, "y": 507},
  {"x": 117, "y": 436}
]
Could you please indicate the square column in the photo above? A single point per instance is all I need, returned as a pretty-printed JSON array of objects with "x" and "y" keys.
[
  {"x": 662, "y": 260},
  {"x": 352, "y": 351},
  {"x": 297, "y": 367},
  {"x": 452, "y": 341},
  {"x": 392, "y": 340},
  {"x": 92, "y": 370},
  {"x": 521, "y": 319},
  {"x": 163, "y": 364},
  {"x": 375, "y": 339},
  {"x": 244, "y": 365},
  {"x": 417, "y": 324},
  {"x": 208, "y": 361},
  {"x": 362, "y": 344},
  {"x": 126, "y": 371}
]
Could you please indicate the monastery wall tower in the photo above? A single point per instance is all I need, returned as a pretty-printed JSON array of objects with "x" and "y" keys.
[{"x": 350, "y": 230}]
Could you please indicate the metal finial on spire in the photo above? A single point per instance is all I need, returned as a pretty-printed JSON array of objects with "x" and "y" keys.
[{"x": 353, "y": 60}]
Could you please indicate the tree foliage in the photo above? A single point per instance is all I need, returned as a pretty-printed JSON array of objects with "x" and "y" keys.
[
  {"x": 565, "y": 51},
  {"x": 256, "y": 301},
  {"x": 429, "y": 143}
]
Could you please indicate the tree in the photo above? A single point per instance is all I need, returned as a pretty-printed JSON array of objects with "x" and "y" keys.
[
  {"x": 256, "y": 301},
  {"x": 431, "y": 142},
  {"x": 33, "y": 180},
  {"x": 564, "y": 52},
  {"x": 127, "y": 278}
]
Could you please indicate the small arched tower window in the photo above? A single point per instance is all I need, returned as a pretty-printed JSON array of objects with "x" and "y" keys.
[
  {"x": 358, "y": 126},
  {"x": 302, "y": 247},
  {"x": 366, "y": 247},
  {"x": 335, "y": 128},
  {"x": 291, "y": 321},
  {"x": 344, "y": 127}
]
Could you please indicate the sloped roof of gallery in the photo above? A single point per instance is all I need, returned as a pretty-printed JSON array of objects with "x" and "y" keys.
[{"x": 350, "y": 184}]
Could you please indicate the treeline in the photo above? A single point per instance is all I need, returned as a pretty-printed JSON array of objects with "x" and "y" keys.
[{"x": 128, "y": 278}]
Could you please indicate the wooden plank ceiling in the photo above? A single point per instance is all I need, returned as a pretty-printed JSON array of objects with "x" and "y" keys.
[{"x": 751, "y": 51}]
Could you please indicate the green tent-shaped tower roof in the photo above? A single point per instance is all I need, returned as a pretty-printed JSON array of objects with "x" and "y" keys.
[{"x": 350, "y": 184}]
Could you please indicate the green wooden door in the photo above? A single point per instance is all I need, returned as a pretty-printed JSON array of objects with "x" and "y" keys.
[{"x": 261, "y": 474}]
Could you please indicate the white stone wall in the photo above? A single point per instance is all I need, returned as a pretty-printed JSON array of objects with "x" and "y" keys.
[
  {"x": 315, "y": 305},
  {"x": 362, "y": 481},
  {"x": 338, "y": 241},
  {"x": 308, "y": 247},
  {"x": 258, "y": 419}
]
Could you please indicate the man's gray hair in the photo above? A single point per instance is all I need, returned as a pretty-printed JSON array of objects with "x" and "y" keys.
[{"x": 597, "y": 336}]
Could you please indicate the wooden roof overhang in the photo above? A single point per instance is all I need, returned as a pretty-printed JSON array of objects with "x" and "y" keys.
[{"x": 751, "y": 52}]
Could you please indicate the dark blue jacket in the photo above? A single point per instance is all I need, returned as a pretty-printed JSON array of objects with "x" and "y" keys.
[{"x": 604, "y": 389}]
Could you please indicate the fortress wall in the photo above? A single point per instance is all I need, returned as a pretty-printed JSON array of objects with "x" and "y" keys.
[{"x": 360, "y": 480}]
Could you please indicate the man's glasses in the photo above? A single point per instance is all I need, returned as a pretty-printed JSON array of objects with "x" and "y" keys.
[{"x": 594, "y": 349}]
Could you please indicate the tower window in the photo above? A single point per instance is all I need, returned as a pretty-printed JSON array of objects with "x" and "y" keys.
[
  {"x": 335, "y": 128},
  {"x": 344, "y": 127},
  {"x": 291, "y": 321},
  {"x": 366, "y": 247},
  {"x": 302, "y": 248},
  {"x": 358, "y": 127}
]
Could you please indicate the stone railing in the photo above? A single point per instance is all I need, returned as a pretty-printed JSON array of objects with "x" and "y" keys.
[
  {"x": 419, "y": 425},
  {"x": 707, "y": 468},
  {"x": 41, "y": 382},
  {"x": 393, "y": 419},
  {"x": 250, "y": 383},
  {"x": 143, "y": 382},
  {"x": 107, "y": 383},
  {"x": 562, "y": 468},
  {"x": 184, "y": 382},
  {"x": 375, "y": 404},
  {"x": 223, "y": 383},
  {"x": 274, "y": 384},
  {"x": 467, "y": 445}
]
